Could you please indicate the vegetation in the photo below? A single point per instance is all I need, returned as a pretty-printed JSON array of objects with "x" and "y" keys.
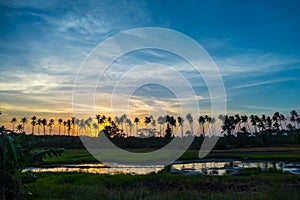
[
  {"x": 252, "y": 185},
  {"x": 17, "y": 152}
]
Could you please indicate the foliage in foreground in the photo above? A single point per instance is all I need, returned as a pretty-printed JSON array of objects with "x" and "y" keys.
[
  {"x": 17, "y": 152},
  {"x": 252, "y": 185}
]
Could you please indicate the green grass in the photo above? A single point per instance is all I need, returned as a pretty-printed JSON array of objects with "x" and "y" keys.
[
  {"x": 253, "y": 185},
  {"x": 83, "y": 156}
]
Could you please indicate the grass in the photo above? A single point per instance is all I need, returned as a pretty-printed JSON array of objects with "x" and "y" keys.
[
  {"x": 253, "y": 185},
  {"x": 83, "y": 156}
]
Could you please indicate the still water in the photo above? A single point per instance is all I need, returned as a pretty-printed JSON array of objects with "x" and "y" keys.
[{"x": 202, "y": 167}]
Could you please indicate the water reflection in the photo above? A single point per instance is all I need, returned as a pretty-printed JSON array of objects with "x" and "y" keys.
[
  {"x": 230, "y": 167},
  {"x": 98, "y": 168},
  {"x": 201, "y": 167}
]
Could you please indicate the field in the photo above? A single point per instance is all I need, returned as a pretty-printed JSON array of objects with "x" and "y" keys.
[
  {"x": 252, "y": 185},
  {"x": 288, "y": 153}
]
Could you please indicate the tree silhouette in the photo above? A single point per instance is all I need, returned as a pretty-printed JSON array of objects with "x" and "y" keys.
[
  {"x": 44, "y": 124},
  {"x": 13, "y": 121},
  {"x": 190, "y": 119},
  {"x": 201, "y": 121},
  {"x": 180, "y": 121},
  {"x": 24, "y": 121},
  {"x": 39, "y": 123},
  {"x": 33, "y": 123},
  {"x": 60, "y": 121},
  {"x": 136, "y": 121}
]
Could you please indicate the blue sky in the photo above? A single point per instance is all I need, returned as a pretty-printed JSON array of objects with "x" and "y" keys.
[{"x": 255, "y": 44}]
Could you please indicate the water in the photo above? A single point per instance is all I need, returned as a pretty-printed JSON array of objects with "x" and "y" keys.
[{"x": 202, "y": 167}]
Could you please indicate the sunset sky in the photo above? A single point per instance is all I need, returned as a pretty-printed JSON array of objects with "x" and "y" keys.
[{"x": 255, "y": 44}]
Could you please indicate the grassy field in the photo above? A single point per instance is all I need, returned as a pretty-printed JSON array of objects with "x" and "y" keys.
[
  {"x": 268, "y": 153},
  {"x": 252, "y": 185}
]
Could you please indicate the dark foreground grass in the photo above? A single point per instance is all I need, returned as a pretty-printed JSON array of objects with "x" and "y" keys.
[
  {"x": 251, "y": 185},
  {"x": 83, "y": 156}
]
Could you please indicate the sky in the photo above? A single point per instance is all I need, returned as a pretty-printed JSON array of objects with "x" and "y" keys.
[{"x": 255, "y": 45}]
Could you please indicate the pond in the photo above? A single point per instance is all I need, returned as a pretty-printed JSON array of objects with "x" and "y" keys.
[{"x": 217, "y": 167}]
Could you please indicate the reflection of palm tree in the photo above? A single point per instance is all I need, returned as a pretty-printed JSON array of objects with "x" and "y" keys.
[
  {"x": 60, "y": 121},
  {"x": 180, "y": 121},
  {"x": 33, "y": 123},
  {"x": 13, "y": 121},
  {"x": 44, "y": 123},
  {"x": 136, "y": 121},
  {"x": 190, "y": 119},
  {"x": 24, "y": 121}
]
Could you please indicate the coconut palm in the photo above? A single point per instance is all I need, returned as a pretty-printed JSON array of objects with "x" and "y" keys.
[
  {"x": 201, "y": 121},
  {"x": 98, "y": 118},
  {"x": 129, "y": 123},
  {"x": 180, "y": 121},
  {"x": 69, "y": 124},
  {"x": 20, "y": 128},
  {"x": 44, "y": 124},
  {"x": 51, "y": 122},
  {"x": 13, "y": 121},
  {"x": 294, "y": 117},
  {"x": 65, "y": 124},
  {"x": 161, "y": 120},
  {"x": 24, "y": 121},
  {"x": 190, "y": 119},
  {"x": 33, "y": 123},
  {"x": 228, "y": 125},
  {"x": 60, "y": 121},
  {"x": 39, "y": 123},
  {"x": 136, "y": 121}
]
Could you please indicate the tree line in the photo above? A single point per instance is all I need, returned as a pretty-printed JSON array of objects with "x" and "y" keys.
[{"x": 163, "y": 126}]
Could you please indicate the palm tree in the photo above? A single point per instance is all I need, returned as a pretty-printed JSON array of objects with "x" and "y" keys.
[
  {"x": 69, "y": 122},
  {"x": 238, "y": 122},
  {"x": 254, "y": 122},
  {"x": 65, "y": 124},
  {"x": 180, "y": 121},
  {"x": 201, "y": 121},
  {"x": 51, "y": 122},
  {"x": 212, "y": 122},
  {"x": 74, "y": 121},
  {"x": 190, "y": 119},
  {"x": 44, "y": 124},
  {"x": 283, "y": 118},
  {"x": 13, "y": 121},
  {"x": 294, "y": 117},
  {"x": 147, "y": 121},
  {"x": 20, "y": 128},
  {"x": 24, "y": 121},
  {"x": 95, "y": 126},
  {"x": 161, "y": 120},
  {"x": 244, "y": 119},
  {"x": 129, "y": 123},
  {"x": 33, "y": 123},
  {"x": 136, "y": 121},
  {"x": 60, "y": 121},
  {"x": 228, "y": 125},
  {"x": 39, "y": 123},
  {"x": 98, "y": 117}
]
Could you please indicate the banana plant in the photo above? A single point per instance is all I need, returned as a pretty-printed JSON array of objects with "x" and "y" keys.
[{"x": 17, "y": 152}]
